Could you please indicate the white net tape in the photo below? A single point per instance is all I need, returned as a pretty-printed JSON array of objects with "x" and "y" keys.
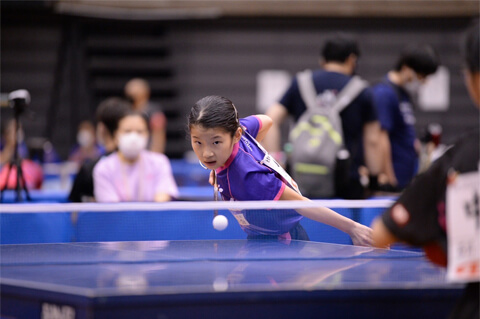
[{"x": 194, "y": 206}]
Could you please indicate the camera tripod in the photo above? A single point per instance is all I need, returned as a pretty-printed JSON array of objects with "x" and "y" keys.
[{"x": 16, "y": 162}]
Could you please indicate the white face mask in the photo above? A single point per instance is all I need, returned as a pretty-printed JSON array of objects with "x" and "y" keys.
[
  {"x": 131, "y": 144},
  {"x": 85, "y": 138}
]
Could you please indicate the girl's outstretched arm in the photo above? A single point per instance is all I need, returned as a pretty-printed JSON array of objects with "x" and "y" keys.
[
  {"x": 361, "y": 235},
  {"x": 265, "y": 126}
]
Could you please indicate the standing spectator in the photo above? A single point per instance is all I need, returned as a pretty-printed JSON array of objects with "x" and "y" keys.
[
  {"x": 393, "y": 99},
  {"x": 419, "y": 217},
  {"x": 109, "y": 112},
  {"x": 87, "y": 148},
  {"x": 138, "y": 91},
  {"x": 359, "y": 118},
  {"x": 132, "y": 173}
]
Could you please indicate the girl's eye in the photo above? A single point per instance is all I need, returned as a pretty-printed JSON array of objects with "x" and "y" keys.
[{"x": 216, "y": 142}]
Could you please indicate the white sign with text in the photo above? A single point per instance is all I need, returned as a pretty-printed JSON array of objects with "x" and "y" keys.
[{"x": 463, "y": 228}]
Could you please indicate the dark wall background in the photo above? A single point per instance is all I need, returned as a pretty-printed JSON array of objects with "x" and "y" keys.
[{"x": 69, "y": 64}]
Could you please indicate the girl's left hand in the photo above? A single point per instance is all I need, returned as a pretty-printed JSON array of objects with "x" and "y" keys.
[
  {"x": 211, "y": 179},
  {"x": 361, "y": 235}
]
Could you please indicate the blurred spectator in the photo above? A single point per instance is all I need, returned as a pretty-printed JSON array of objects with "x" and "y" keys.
[
  {"x": 359, "y": 118},
  {"x": 31, "y": 171},
  {"x": 138, "y": 92},
  {"x": 132, "y": 173},
  {"x": 419, "y": 216},
  {"x": 50, "y": 155},
  {"x": 87, "y": 147},
  {"x": 394, "y": 99},
  {"x": 109, "y": 112}
]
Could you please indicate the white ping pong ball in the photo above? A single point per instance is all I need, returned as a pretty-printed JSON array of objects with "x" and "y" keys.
[{"x": 220, "y": 222}]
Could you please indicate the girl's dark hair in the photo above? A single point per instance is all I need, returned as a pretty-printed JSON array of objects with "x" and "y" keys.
[
  {"x": 143, "y": 115},
  {"x": 420, "y": 58},
  {"x": 110, "y": 111},
  {"x": 214, "y": 112}
]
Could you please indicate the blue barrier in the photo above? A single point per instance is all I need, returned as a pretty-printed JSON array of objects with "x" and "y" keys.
[
  {"x": 190, "y": 193},
  {"x": 189, "y": 174}
]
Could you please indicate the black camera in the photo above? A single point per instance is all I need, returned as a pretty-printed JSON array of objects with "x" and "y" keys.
[{"x": 19, "y": 101}]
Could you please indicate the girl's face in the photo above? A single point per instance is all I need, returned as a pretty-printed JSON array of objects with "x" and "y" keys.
[{"x": 213, "y": 146}]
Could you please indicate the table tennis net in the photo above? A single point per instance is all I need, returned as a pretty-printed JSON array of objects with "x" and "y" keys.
[{"x": 96, "y": 222}]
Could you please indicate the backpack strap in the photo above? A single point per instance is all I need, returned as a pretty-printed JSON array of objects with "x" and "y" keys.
[
  {"x": 307, "y": 88},
  {"x": 353, "y": 88},
  {"x": 309, "y": 94}
]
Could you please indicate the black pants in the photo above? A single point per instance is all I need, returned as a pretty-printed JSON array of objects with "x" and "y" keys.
[
  {"x": 467, "y": 306},
  {"x": 297, "y": 233},
  {"x": 354, "y": 190}
]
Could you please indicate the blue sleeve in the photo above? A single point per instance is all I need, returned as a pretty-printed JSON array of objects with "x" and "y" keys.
[
  {"x": 369, "y": 111},
  {"x": 251, "y": 124},
  {"x": 385, "y": 102},
  {"x": 289, "y": 96},
  {"x": 292, "y": 100}
]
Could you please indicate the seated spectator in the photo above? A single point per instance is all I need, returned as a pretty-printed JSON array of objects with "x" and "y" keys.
[
  {"x": 132, "y": 173},
  {"x": 109, "y": 112},
  {"x": 87, "y": 148},
  {"x": 138, "y": 92}
]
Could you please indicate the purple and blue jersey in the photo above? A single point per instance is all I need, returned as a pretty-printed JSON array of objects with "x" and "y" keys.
[{"x": 243, "y": 178}]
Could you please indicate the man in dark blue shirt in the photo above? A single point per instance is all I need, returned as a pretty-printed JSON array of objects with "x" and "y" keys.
[
  {"x": 395, "y": 112},
  {"x": 359, "y": 118}
]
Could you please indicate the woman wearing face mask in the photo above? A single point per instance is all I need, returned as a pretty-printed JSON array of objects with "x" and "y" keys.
[{"x": 132, "y": 173}]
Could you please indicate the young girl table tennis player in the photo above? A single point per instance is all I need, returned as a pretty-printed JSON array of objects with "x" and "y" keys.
[{"x": 226, "y": 144}]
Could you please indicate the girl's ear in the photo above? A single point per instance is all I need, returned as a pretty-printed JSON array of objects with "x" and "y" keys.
[{"x": 238, "y": 135}]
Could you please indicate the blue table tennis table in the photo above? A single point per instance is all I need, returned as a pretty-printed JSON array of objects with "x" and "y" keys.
[{"x": 220, "y": 279}]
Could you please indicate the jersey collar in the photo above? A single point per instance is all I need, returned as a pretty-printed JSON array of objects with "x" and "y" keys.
[{"x": 230, "y": 159}]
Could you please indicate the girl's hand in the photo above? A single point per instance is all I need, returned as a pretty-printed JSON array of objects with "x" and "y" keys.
[
  {"x": 211, "y": 179},
  {"x": 361, "y": 235}
]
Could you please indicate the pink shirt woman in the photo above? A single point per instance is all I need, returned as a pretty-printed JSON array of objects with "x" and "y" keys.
[{"x": 133, "y": 174}]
